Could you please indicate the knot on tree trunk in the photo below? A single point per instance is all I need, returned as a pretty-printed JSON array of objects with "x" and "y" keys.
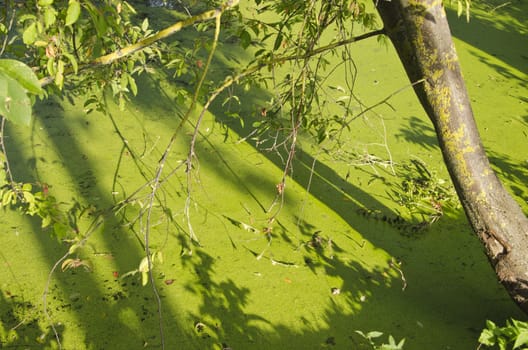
[{"x": 496, "y": 246}]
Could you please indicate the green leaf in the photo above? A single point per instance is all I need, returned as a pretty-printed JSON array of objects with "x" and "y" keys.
[
  {"x": 144, "y": 278},
  {"x": 7, "y": 197},
  {"x": 122, "y": 102},
  {"x": 99, "y": 21},
  {"x": 278, "y": 42},
  {"x": 59, "y": 76},
  {"x": 73, "y": 248},
  {"x": 123, "y": 82},
  {"x": 27, "y": 17},
  {"x": 242, "y": 225},
  {"x": 72, "y": 60},
  {"x": 60, "y": 230},
  {"x": 73, "y": 12},
  {"x": 487, "y": 337},
  {"x": 518, "y": 324},
  {"x": 46, "y": 221},
  {"x": 374, "y": 334},
  {"x": 522, "y": 339},
  {"x": 130, "y": 8},
  {"x": 21, "y": 73},
  {"x": 133, "y": 85},
  {"x": 144, "y": 265},
  {"x": 490, "y": 325},
  {"x": 15, "y": 104},
  {"x": 245, "y": 39},
  {"x": 361, "y": 334},
  {"x": 45, "y": 2},
  {"x": 145, "y": 24},
  {"x": 51, "y": 66},
  {"x": 30, "y": 34},
  {"x": 28, "y": 197},
  {"x": 50, "y": 16}
]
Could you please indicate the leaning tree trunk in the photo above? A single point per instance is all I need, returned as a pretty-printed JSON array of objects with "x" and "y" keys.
[{"x": 420, "y": 33}]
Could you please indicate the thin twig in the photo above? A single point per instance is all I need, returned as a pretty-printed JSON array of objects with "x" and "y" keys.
[
  {"x": 192, "y": 153},
  {"x": 308, "y": 188},
  {"x": 383, "y": 101},
  {"x": 6, "y": 165},
  {"x": 94, "y": 225},
  {"x": 8, "y": 29},
  {"x": 156, "y": 183},
  {"x": 500, "y": 6}
]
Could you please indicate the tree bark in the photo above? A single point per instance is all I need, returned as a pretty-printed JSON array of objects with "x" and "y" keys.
[{"x": 420, "y": 33}]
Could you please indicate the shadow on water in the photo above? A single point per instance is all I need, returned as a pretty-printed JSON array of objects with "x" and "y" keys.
[
  {"x": 370, "y": 302},
  {"x": 428, "y": 263},
  {"x": 367, "y": 298},
  {"x": 366, "y": 301},
  {"x": 19, "y": 318},
  {"x": 221, "y": 314},
  {"x": 516, "y": 175},
  {"x": 499, "y": 31},
  {"x": 223, "y": 303},
  {"x": 420, "y": 133},
  {"x": 101, "y": 304}
]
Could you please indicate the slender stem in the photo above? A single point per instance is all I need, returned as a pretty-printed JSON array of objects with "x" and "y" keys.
[
  {"x": 156, "y": 183},
  {"x": 8, "y": 29},
  {"x": 6, "y": 165},
  {"x": 191, "y": 154}
]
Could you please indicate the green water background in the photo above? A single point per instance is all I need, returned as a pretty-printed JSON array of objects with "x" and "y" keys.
[{"x": 222, "y": 295}]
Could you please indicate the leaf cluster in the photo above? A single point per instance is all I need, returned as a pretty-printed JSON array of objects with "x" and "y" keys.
[
  {"x": 391, "y": 345},
  {"x": 61, "y": 39},
  {"x": 145, "y": 267},
  {"x": 23, "y": 197},
  {"x": 422, "y": 192},
  {"x": 514, "y": 335},
  {"x": 298, "y": 36}
]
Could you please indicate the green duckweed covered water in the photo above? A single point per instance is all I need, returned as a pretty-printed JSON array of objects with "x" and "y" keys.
[{"x": 328, "y": 270}]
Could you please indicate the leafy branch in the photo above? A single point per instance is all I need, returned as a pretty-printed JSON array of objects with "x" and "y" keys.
[{"x": 147, "y": 42}]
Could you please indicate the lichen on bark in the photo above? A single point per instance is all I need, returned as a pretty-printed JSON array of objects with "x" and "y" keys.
[{"x": 420, "y": 33}]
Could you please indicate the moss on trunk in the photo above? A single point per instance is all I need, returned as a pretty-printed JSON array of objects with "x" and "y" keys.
[{"x": 420, "y": 33}]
